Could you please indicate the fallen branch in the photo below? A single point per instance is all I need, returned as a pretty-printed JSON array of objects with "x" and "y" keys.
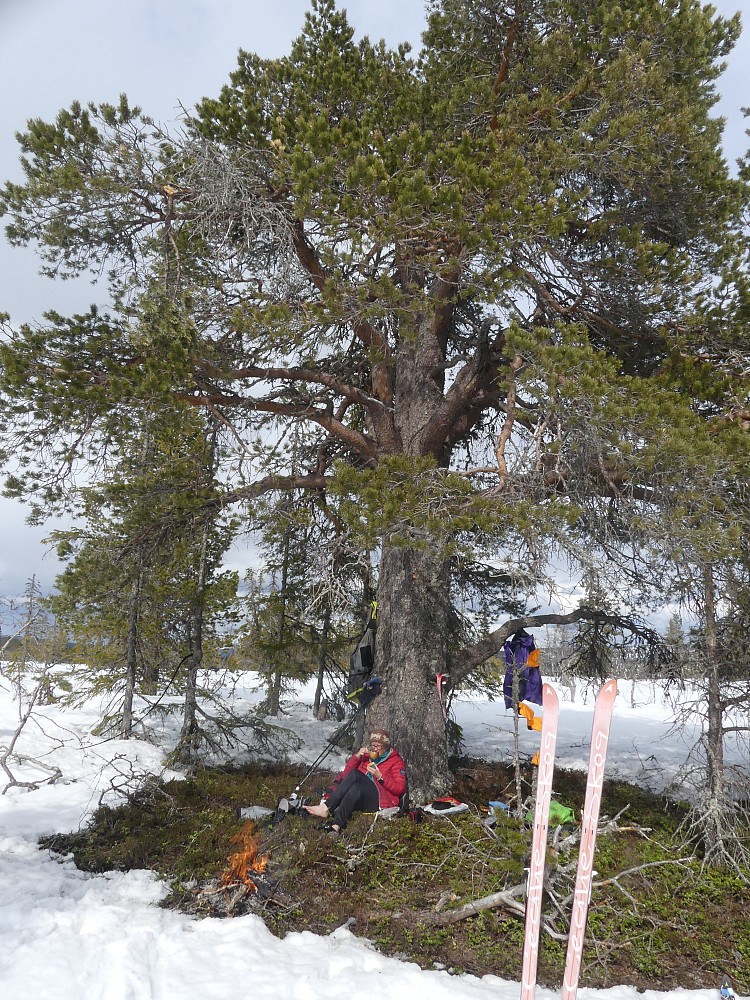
[
  {"x": 614, "y": 879},
  {"x": 508, "y": 901},
  {"x": 610, "y": 825},
  {"x": 505, "y": 900},
  {"x": 52, "y": 769},
  {"x": 606, "y": 827}
]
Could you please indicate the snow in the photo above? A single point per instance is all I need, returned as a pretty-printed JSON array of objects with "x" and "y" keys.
[
  {"x": 645, "y": 747},
  {"x": 69, "y": 934}
]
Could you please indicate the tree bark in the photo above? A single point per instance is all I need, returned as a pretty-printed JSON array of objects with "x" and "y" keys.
[
  {"x": 410, "y": 650},
  {"x": 131, "y": 657}
]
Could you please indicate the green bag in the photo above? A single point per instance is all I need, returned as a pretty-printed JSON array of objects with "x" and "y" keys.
[{"x": 558, "y": 814}]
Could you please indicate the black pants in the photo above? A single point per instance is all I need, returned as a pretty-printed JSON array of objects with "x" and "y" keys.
[{"x": 356, "y": 791}]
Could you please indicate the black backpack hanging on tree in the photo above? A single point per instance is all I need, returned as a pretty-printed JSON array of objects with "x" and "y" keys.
[{"x": 361, "y": 664}]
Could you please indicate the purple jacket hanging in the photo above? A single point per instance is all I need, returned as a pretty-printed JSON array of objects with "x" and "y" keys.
[{"x": 517, "y": 651}]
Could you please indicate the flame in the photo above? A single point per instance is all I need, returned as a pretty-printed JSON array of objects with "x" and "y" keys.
[{"x": 245, "y": 859}]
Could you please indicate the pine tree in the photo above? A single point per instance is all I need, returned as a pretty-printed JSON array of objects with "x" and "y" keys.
[{"x": 476, "y": 279}]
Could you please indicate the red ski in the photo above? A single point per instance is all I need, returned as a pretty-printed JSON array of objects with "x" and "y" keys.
[
  {"x": 599, "y": 740},
  {"x": 539, "y": 842}
]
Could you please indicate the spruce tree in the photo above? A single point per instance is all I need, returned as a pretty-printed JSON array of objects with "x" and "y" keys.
[{"x": 143, "y": 584}]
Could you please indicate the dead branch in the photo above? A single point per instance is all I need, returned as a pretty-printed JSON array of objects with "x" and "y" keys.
[
  {"x": 17, "y": 632},
  {"x": 731, "y": 849},
  {"x": 508, "y": 899},
  {"x": 505, "y": 900},
  {"x": 52, "y": 769},
  {"x": 607, "y": 825},
  {"x": 614, "y": 879},
  {"x": 8, "y": 752},
  {"x": 124, "y": 782}
]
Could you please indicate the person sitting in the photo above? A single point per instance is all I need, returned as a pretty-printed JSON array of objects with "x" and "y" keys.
[{"x": 374, "y": 778}]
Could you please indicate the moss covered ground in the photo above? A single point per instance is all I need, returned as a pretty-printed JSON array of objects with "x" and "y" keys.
[{"x": 667, "y": 922}]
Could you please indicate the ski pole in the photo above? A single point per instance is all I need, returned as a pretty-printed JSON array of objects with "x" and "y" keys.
[{"x": 371, "y": 690}]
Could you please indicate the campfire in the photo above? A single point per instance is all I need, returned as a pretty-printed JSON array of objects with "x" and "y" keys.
[
  {"x": 243, "y": 888},
  {"x": 245, "y": 861}
]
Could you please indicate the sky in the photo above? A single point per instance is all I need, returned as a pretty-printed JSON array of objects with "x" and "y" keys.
[
  {"x": 68, "y": 935},
  {"x": 164, "y": 54}
]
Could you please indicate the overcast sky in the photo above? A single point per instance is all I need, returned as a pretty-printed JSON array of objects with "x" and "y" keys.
[{"x": 164, "y": 53}]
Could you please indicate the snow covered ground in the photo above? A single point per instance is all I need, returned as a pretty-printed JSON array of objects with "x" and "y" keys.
[
  {"x": 646, "y": 746},
  {"x": 67, "y": 934}
]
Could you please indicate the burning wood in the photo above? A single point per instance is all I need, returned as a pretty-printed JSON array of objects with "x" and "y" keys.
[
  {"x": 245, "y": 886},
  {"x": 245, "y": 860}
]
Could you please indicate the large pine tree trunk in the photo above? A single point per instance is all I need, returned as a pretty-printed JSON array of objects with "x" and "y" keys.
[
  {"x": 414, "y": 584},
  {"x": 410, "y": 650}
]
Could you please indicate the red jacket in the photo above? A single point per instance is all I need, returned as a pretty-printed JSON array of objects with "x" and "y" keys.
[{"x": 393, "y": 783}]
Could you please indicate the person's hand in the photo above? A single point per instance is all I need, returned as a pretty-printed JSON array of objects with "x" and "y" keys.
[
  {"x": 375, "y": 771},
  {"x": 363, "y": 752}
]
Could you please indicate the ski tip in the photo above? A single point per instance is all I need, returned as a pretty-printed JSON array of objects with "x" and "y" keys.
[{"x": 611, "y": 685}]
